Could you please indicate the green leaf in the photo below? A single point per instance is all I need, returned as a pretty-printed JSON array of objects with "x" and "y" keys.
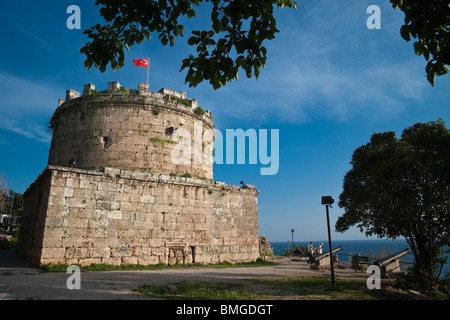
[
  {"x": 191, "y": 13},
  {"x": 419, "y": 48},
  {"x": 440, "y": 69},
  {"x": 193, "y": 40},
  {"x": 430, "y": 77},
  {"x": 216, "y": 26},
  {"x": 404, "y": 32}
]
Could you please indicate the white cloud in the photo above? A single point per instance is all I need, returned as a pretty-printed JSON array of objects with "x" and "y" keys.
[
  {"x": 23, "y": 105},
  {"x": 325, "y": 63},
  {"x": 19, "y": 94},
  {"x": 27, "y": 128}
]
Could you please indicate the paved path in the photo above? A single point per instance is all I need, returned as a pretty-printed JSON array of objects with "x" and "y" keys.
[{"x": 20, "y": 280}]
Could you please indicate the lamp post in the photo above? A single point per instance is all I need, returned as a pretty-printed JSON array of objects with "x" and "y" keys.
[
  {"x": 292, "y": 231},
  {"x": 328, "y": 201}
]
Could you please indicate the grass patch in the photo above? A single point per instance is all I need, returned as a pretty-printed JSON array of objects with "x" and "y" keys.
[
  {"x": 319, "y": 288},
  {"x": 186, "y": 102},
  {"x": 107, "y": 267},
  {"x": 202, "y": 291},
  {"x": 161, "y": 140},
  {"x": 6, "y": 244},
  {"x": 302, "y": 288},
  {"x": 199, "y": 111},
  {"x": 101, "y": 267}
]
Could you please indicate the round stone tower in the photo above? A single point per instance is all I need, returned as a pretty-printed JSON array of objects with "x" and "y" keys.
[{"x": 160, "y": 132}]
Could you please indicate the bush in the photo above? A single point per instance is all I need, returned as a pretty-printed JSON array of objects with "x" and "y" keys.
[
  {"x": 298, "y": 250},
  {"x": 199, "y": 111},
  {"x": 6, "y": 244}
]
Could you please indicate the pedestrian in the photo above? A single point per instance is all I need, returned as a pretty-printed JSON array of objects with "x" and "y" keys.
[
  {"x": 319, "y": 249},
  {"x": 310, "y": 253}
]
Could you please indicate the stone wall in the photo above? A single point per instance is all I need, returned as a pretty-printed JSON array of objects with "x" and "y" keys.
[
  {"x": 265, "y": 249},
  {"x": 33, "y": 220},
  {"x": 133, "y": 217}
]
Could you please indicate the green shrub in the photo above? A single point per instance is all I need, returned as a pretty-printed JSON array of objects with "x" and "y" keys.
[{"x": 199, "y": 111}]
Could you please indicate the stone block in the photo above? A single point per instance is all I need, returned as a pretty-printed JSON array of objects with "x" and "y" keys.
[
  {"x": 143, "y": 88},
  {"x": 61, "y": 101},
  {"x": 117, "y": 261},
  {"x": 68, "y": 192},
  {"x": 112, "y": 171},
  {"x": 87, "y": 89},
  {"x": 57, "y": 191},
  {"x": 113, "y": 86},
  {"x": 54, "y": 232},
  {"x": 83, "y": 194},
  {"x": 69, "y": 242},
  {"x": 89, "y": 261},
  {"x": 129, "y": 260},
  {"x": 72, "y": 94},
  {"x": 120, "y": 252},
  {"x": 56, "y": 201},
  {"x": 52, "y": 242},
  {"x": 103, "y": 252},
  {"x": 75, "y": 252},
  {"x": 148, "y": 260},
  {"x": 72, "y": 183}
]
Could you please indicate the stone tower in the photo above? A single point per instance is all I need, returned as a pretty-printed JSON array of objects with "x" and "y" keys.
[
  {"x": 130, "y": 181},
  {"x": 131, "y": 130}
]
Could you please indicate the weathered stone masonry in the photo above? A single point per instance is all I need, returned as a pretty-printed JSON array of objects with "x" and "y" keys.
[{"x": 105, "y": 209}]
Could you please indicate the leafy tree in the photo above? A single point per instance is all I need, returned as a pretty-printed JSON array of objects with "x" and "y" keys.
[
  {"x": 18, "y": 203},
  {"x": 238, "y": 30},
  {"x": 429, "y": 22},
  {"x": 401, "y": 188},
  {"x": 234, "y": 40}
]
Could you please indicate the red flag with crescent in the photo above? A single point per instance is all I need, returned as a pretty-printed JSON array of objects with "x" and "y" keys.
[{"x": 141, "y": 63}]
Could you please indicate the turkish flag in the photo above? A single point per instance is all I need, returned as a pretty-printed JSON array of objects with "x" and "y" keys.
[{"x": 141, "y": 63}]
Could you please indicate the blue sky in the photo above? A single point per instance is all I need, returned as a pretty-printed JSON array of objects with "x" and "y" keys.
[{"x": 329, "y": 83}]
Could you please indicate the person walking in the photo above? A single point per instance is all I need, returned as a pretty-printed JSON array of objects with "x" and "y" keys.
[{"x": 310, "y": 253}]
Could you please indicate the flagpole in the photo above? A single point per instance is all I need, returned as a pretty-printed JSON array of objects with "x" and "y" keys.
[
  {"x": 148, "y": 69},
  {"x": 3, "y": 196},
  {"x": 12, "y": 203}
]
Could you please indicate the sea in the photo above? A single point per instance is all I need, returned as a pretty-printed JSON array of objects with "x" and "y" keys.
[{"x": 372, "y": 248}]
